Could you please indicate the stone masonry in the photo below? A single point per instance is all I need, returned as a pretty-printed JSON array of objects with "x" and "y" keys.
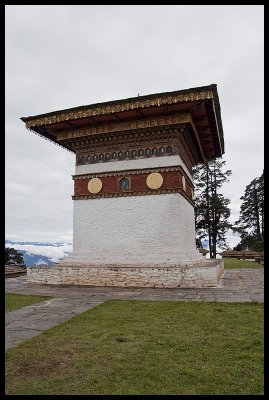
[{"x": 207, "y": 274}]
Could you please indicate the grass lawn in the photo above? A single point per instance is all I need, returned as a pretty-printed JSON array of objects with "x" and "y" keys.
[
  {"x": 14, "y": 301},
  {"x": 231, "y": 263},
  {"x": 145, "y": 347}
]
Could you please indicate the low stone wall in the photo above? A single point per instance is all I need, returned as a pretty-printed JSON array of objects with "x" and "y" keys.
[
  {"x": 205, "y": 274},
  {"x": 12, "y": 271}
]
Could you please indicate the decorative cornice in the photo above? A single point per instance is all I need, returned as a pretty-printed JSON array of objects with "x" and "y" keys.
[
  {"x": 91, "y": 111},
  {"x": 127, "y": 126},
  {"x": 140, "y": 182},
  {"x": 131, "y": 137},
  {"x": 129, "y": 153},
  {"x": 176, "y": 137},
  {"x": 128, "y": 194},
  {"x": 133, "y": 172}
]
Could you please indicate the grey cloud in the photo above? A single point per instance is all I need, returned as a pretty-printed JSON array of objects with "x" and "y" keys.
[{"x": 59, "y": 57}]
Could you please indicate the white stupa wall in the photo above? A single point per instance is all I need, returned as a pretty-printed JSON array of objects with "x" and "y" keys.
[
  {"x": 153, "y": 162},
  {"x": 155, "y": 229},
  {"x": 150, "y": 229}
]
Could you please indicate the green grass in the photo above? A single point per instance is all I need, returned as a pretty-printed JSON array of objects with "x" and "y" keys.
[
  {"x": 231, "y": 263},
  {"x": 145, "y": 347},
  {"x": 13, "y": 301}
]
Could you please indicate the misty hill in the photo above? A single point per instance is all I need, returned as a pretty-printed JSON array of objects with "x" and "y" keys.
[{"x": 36, "y": 253}]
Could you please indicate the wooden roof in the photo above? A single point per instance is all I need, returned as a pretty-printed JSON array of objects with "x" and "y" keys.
[{"x": 202, "y": 103}]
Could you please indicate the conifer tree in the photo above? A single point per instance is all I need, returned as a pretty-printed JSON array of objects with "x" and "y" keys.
[
  {"x": 211, "y": 207},
  {"x": 251, "y": 218},
  {"x": 13, "y": 257}
]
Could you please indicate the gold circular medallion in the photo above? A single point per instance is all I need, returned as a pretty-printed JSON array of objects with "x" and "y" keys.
[
  {"x": 154, "y": 180},
  {"x": 184, "y": 183},
  {"x": 95, "y": 185}
]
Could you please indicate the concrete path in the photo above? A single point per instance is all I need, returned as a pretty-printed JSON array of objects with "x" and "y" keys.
[{"x": 237, "y": 285}]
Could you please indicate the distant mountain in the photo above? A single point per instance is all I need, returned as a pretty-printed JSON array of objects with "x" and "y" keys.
[
  {"x": 33, "y": 259},
  {"x": 36, "y": 253},
  {"x": 55, "y": 244}
]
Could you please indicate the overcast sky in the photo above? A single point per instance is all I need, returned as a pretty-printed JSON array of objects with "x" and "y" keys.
[{"x": 60, "y": 57}]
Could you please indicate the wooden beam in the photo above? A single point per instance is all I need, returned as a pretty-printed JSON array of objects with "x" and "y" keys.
[
  {"x": 199, "y": 119},
  {"x": 202, "y": 127},
  {"x": 196, "y": 106}
]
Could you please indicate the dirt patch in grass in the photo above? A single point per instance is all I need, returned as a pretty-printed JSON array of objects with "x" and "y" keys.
[{"x": 51, "y": 363}]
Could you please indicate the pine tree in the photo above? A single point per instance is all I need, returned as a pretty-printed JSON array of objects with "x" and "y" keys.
[
  {"x": 251, "y": 218},
  {"x": 211, "y": 208},
  {"x": 13, "y": 257}
]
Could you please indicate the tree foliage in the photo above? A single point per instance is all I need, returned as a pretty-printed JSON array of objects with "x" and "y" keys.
[
  {"x": 250, "y": 242},
  {"x": 13, "y": 257},
  {"x": 211, "y": 207},
  {"x": 251, "y": 219}
]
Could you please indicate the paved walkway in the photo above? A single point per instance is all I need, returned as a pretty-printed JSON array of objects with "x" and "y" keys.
[{"x": 237, "y": 285}]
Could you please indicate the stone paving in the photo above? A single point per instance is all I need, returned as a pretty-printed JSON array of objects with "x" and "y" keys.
[{"x": 237, "y": 285}]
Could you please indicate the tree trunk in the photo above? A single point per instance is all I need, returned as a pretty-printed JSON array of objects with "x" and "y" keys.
[
  {"x": 257, "y": 215},
  {"x": 208, "y": 212},
  {"x": 214, "y": 227}
]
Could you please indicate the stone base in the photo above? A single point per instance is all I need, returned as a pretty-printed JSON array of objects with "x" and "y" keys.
[{"x": 206, "y": 273}]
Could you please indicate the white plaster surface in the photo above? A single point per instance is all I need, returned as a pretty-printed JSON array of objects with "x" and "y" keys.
[
  {"x": 154, "y": 162},
  {"x": 154, "y": 229}
]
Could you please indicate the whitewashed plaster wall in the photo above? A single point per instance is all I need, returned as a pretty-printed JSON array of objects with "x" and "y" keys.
[
  {"x": 126, "y": 165},
  {"x": 156, "y": 229}
]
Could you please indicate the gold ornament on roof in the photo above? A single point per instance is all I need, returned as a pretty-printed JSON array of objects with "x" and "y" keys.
[{"x": 114, "y": 108}]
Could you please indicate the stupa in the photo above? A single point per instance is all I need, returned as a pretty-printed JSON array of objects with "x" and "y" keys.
[{"x": 133, "y": 216}]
